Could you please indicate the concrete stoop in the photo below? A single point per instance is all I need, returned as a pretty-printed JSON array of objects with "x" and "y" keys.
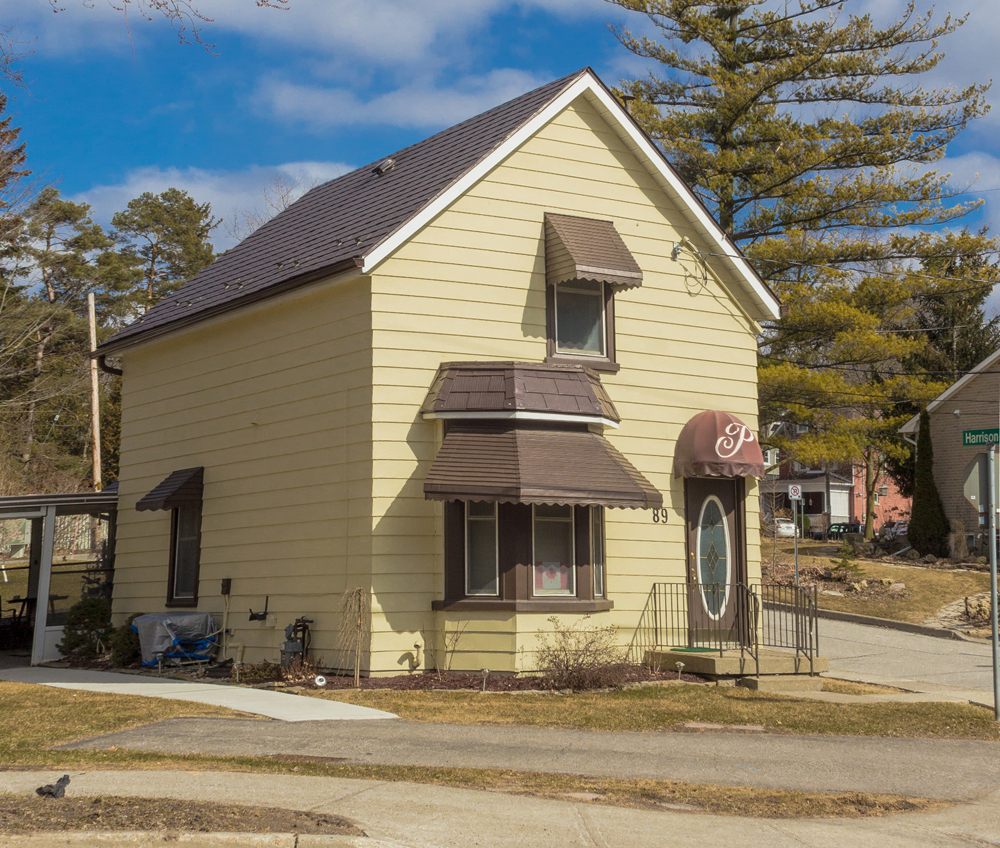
[
  {"x": 729, "y": 663},
  {"x": 783, "y": 683}
]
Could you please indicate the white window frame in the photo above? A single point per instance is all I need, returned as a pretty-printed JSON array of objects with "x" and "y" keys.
[
  {"x": 603, "y": 333},
  {"x": 496, "y": 551}
]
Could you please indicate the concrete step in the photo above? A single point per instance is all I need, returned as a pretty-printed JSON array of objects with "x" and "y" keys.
[
  {"x": 782, "y": 683},
  {"x": 732, "y": 664}
]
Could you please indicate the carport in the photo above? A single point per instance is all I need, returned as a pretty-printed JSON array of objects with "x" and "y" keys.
[{"x": 66, "y": 552}]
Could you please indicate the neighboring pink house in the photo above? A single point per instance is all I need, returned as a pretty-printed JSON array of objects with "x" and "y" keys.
[{"x": 847, "y": 492}]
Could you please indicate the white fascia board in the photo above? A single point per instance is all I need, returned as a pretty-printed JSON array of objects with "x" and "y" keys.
[
  {"x": 674, "y": 186},
  {"x": 521, "y": 415},
  {"x": 913, "y": 424}
]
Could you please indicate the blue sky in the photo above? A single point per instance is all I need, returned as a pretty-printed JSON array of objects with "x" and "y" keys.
[{"x": 329, "y": 85}]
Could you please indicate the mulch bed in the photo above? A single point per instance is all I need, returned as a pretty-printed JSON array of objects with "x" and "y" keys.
[
  {"x": 453, "y": 681},
  {"x": 19, "y": 814}
]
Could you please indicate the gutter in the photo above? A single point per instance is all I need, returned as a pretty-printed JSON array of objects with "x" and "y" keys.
[
  {"x": 229, "y": 306},
  {"x": 103, "y": 365}
]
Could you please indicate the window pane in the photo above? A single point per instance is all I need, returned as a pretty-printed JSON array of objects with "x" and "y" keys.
[
  {"x": 554, "y": 571},
  {"x": 580, "y": 317},
  {"x": 187, "y": 525},
  {"x": 481, "y": 576},
  {"x": 597, "y": 546}
]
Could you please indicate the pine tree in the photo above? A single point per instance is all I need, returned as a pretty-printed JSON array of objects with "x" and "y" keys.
[
  {"x": 928, "y": 531},
  {"x": 808, "y": 134},
  {"x": 165, "y": 238}
]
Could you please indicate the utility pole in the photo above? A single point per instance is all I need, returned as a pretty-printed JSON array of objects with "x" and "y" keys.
[{"x": 95, "y": 407}]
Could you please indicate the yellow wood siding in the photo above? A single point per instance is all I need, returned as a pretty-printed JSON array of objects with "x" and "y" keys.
[
  {"x": 471, "y": 285},
  {"x": 276, "y": 405}
]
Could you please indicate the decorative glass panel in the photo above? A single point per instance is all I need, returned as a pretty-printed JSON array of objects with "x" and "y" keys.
[
  {"x": 553, "y": 539},
  {"x": 713, "y": 557},
  {"x": 580, "y": 317},
  {"x": 481, "y": 573}
]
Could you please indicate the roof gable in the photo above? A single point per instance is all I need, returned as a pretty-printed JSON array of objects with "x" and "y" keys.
[
  {"x": 360, "y": 219},
  {"x": 913, "y": 425}
]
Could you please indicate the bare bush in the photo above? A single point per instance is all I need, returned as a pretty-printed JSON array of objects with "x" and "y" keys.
[
  {"x": 958, "y": 547},
  {"x": 581, "y": 656}
]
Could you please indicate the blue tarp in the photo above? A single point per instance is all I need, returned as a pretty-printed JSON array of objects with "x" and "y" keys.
[{"x": 176, "y": 635}]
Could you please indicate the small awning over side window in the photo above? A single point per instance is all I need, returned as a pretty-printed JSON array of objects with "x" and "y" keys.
[
  {"x": 588, "y": 249},
  {"x": 181, "y": 488},
  {"x": 517, "y": 464}
]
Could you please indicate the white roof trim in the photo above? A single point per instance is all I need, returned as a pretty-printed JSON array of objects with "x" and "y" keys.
[
  {"x": 647, "y": 154},
  {"x": 521, "y": 415},
  {"x": 913, "y": 424}
]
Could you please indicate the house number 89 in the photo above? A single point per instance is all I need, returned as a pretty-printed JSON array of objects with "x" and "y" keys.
[{"x": 660, "y": 516}]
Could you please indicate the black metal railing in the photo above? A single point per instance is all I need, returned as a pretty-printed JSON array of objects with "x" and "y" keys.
[
  {"x": 727, "y": 617},
  {"x": 790, "y": 619}
]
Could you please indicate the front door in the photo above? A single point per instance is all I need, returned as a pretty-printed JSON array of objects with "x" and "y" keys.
[{"x": 716, "y": 558}]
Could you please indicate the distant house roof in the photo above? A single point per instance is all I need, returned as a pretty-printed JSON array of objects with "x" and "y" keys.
[
  {"x": 359, "y": 219},
  {"x": 913, "y": 425}
]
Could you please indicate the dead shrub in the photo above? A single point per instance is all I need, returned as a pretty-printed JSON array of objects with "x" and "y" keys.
[
  {"x": 581, "y": 656},
  {"x": 958, "y": 547}
]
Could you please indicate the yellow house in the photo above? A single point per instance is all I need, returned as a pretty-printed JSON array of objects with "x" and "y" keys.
[{"x": 455, "y": 378}]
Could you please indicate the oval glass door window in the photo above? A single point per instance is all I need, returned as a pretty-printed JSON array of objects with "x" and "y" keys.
[{"x": 713, "y": 557}]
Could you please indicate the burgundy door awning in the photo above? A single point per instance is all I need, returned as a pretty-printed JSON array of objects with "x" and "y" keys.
[{"x": 717, "y": 444}]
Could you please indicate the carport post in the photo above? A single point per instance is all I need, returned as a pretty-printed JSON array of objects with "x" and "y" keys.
[
  {"x": 994, "y": 506},
  {"x": 44, "y": 584}
]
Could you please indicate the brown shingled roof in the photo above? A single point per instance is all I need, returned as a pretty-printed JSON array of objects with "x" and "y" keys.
[
  {"x": 334, "y": 226},
  {"x": 588, "y": 249},
  {"x": 518, "y": 387},
  {"x": 519, "y": 464}
]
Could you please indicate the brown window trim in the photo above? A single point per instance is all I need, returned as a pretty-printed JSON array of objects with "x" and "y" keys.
[
  {"x": 598, "y": 363},
  {"x": 514, "y": 526},
  {"x": 171, "y": 601}
]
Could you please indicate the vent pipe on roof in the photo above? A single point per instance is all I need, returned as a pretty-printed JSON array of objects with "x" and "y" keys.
[
  {"x": 627, "y": 100},
  {"x": 383, "y": 167}
]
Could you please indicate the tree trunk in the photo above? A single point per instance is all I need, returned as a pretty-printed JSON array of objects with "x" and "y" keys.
[
  {"x": 29, "y": 440},
  {"x": 870, "y": 479}
]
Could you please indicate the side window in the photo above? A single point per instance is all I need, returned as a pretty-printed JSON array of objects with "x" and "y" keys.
[
  {"x": 185, "y": 555},
  {"x": 597, "y": 548},
  {"x": 482, "y": 574}
]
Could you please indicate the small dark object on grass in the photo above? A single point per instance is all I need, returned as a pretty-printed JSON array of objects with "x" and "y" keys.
[{"x": 54, "y": 790}]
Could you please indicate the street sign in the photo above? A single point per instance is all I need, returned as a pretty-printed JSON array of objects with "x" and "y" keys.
[
  {"x": 795, "y": 492},
  {"x": 989, "y": 436}
]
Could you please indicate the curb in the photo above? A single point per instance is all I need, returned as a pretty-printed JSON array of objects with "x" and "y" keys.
[
  {"x": 890, "y": 624},
  {"x": 152, "y": 838}
]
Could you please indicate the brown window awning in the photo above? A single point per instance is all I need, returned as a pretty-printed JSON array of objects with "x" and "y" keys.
[
  {"x": 717, "y": 444},
  {"x": 518, "y": 464},
  {"x": 181, "y": 488},
  {"x": 588, "y": 249}
]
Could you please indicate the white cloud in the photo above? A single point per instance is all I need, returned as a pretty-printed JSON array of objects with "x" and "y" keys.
[
  {"x": 225, "y": 190},
  {"x": 421, "y": 104}
]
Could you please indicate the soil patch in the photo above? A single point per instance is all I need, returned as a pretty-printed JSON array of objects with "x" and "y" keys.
[{"x": 114, "y": 813}]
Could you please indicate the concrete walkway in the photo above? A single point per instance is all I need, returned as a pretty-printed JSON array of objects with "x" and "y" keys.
[
  {"x": 934, "y": 768},
  {"x": 857, "y": 651},
  {"x": 403, "y": 815},
  {"x": 257, "y": 701}
]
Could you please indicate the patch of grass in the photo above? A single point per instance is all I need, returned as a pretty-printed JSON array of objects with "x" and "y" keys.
[
  {"x": 849, "y": 687},
  {"x": 666, "y": 707},
  {"x": 38, "y": 718}
]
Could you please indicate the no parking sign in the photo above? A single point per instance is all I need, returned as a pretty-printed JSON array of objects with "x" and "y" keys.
[{"x": 795, "y": 492}]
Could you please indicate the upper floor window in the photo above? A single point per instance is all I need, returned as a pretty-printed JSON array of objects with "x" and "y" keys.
[{"x": 579, "y": 306}]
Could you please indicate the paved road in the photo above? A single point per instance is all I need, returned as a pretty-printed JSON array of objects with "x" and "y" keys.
[
  {"x": 927, "y": 767},
  {"x": 402, "y": 815},
  {"x": 881, "y": 653}
]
